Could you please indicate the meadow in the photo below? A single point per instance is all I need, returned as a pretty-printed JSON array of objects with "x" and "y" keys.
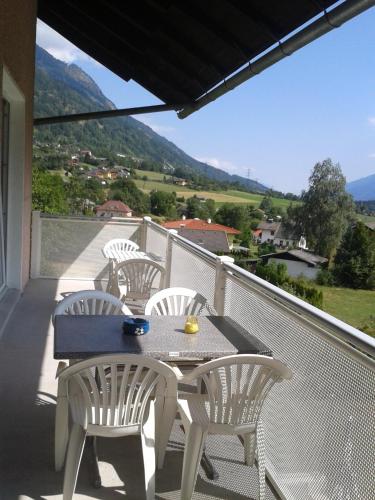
[
  {"x": 355, "y": 307},
  {"x": 220, "y": 197}
]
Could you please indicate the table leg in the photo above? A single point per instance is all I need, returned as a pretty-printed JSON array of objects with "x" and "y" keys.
[
  {"x": 92, "y": 454},
  {"x": 208, "y": 467}
]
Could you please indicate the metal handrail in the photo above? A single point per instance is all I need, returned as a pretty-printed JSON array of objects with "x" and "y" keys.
[
  {"x": 334, "y": 330},
  {"x": 114, "y": 220},
  {"x": 325, "y": 321}
]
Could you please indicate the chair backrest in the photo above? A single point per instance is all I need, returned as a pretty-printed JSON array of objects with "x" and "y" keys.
[
  {"x": 178, "y": 302},
  {"x": 237, "y": 386},
  {"x": 113, "y": 249},
  {"x": 91, "y": 302},
  {"x": 114, "y": 390},
  {"x": 138, "y": 276}
]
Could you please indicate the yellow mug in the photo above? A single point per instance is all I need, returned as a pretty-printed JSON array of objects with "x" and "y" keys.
[{"x": 191, "y": 325}]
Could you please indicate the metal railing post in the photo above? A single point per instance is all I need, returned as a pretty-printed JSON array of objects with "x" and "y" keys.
[
  {"x": 168, "y": 258},
  {"x": 36, "y": 235},
  {"x": 143, "y": 234},
  {"x": 219, "y": 296}
]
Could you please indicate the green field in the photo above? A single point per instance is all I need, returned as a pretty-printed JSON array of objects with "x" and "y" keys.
[
  {"x": 367, "y": 218},
  {"x": 152, "y": 176},
  {"x": 220, "y": 197},
  {"x": 355, "y": 307}
]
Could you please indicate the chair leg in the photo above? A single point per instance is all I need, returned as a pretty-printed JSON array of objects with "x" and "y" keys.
[
  {"x": 261, "y": 460},
  {"x": 165, "y": 428},
  {"x": 61, "y": 431},
  {"x": 73, "y": 460},
  {"x": 148, "y": 451},
  {"x": 195, "y": 439}
]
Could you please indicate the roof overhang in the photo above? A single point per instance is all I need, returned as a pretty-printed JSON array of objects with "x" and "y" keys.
[{"x": 188, "y": 53}]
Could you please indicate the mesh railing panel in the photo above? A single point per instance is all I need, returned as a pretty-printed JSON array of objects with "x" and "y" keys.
[
  {"x": 320, "y": 426},
  {"x": 72, "y": 248},
  {"x": 156, "y": 242},
  {"x": 191, "y": 271}
]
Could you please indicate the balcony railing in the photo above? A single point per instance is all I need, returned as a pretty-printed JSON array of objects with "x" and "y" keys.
[{"x": 319, "y": 427}]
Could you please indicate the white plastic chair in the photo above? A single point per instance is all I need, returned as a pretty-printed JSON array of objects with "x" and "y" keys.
[
  {"x": 129, "y": 395},
  {"x": 234, "y": 389},
  {"x": 113, "y": 249},
  {"x": 134, "y": 278},
  {"x": 91, "y": 302},
  {"x": 178, "y": 302},
  {"x": 81, "y": 303}
]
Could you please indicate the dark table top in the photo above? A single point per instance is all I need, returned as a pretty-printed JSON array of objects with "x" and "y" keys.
[{"x": 79, "y": 337}]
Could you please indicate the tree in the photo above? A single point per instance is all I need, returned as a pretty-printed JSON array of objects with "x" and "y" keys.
[
  {"x": 354, "y": 264},
  {"x": 195, "y": 209},
  {"x": 75, "y": 193},
  {"x": 266, "y": 204},
  {"x": 48, "y": 193},
  {"x": 94, "y": 191},
  {"x": 232, "y": 215},
  {"x": 163, "y": 203},
  {"x": 126, "y": 191},
  {"x": 326, "y": 209},
  {"x": 211, "y": 207}
]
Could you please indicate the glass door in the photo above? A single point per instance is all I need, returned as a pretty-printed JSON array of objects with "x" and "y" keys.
[{"x": 4, "y": 169}]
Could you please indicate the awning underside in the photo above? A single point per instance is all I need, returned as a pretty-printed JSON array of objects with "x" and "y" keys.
[{"x": 178, "y": 50}]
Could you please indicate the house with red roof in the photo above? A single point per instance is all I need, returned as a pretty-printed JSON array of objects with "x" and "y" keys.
[
  {"x": 113, "y": 208},
  {"x": 214, "y": 237}
]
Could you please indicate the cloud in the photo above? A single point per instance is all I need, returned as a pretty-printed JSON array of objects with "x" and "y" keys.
[
  {"x": 371, "y": 155},
  {"x": 158, "y": 128},
  {"x": 371, "y": 120},
  {"x": 228, "y": 166},
  {"x": 58, "y": 46}
]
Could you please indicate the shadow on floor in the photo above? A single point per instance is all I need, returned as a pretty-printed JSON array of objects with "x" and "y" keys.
[{"x": 28, "y": 395}]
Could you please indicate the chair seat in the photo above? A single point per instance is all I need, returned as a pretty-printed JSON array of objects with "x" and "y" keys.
[
  {"x": 195, "y": 407},
  {"x": 113, "y": 430}
]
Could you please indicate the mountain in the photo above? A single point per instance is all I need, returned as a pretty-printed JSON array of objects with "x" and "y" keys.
[
  {"x": 62, "y": 88},
  {"x": 362, "y": 189}
]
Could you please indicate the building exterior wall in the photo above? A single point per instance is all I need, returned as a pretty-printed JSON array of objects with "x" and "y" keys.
[
  {"x": 296, "y": 268},
  {"x": 266, "y": 235},
  {"x": 285, "y": 242},
  {"x": 17, "y": 49}
]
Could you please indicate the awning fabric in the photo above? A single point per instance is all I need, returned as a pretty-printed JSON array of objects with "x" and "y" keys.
[{"x": 178, "y": 50}]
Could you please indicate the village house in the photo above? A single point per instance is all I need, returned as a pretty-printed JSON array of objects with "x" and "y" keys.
[
  {"x": 213, "y": 237},
  {"x": 85, "y": 152},
  {"x": 113, "y": 208},
  {"x": 298, "y": 262},
  {"x": 180, "y": 182},
  {"x": 275, "y": 232}
]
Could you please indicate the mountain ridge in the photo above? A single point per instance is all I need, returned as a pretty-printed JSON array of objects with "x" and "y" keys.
[
  {"x": 62, "y": 88},
  {"x": 362, "y": 189}
]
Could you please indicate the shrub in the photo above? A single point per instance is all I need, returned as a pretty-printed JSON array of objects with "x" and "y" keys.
[
  {"x": 324, "y": 278},
  {"x": 278, "y": 275}
]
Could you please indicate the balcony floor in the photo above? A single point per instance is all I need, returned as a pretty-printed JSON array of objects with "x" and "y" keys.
[{"x": 28, "y": 395}]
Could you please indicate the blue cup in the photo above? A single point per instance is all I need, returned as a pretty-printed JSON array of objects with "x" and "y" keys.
[{"x": 135, "y": 326}]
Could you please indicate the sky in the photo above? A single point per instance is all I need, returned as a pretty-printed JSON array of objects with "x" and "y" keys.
[{"x": 315, "y": 104}]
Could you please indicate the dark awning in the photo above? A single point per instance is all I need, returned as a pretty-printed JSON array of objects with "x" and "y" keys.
[{"x": 178, "y": 50}]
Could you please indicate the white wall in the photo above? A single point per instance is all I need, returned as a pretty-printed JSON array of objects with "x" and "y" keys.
[
  {"x": 295, "y": 268},
  {"x": 286, "y": 242},
  {"x": 266, "y": 235}
]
